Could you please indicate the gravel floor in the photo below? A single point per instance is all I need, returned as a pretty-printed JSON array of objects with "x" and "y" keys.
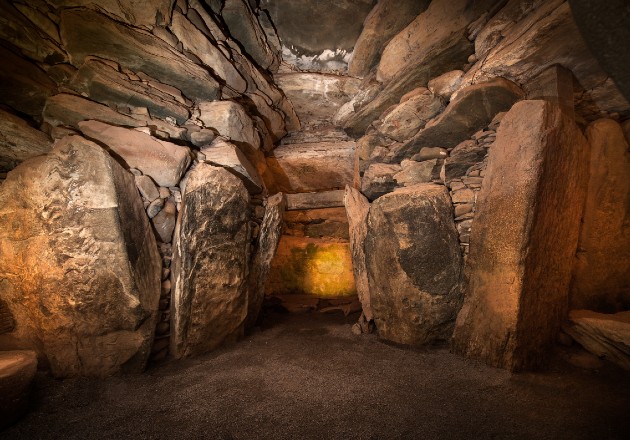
[{"x": 309, "y": 377}]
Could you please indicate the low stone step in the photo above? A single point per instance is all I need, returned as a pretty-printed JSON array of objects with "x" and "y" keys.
[{"x": 17, "y": 370}]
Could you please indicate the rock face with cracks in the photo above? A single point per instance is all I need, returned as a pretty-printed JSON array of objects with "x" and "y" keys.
[
  {"x": 210, "y": 265},
  {"x": 524, "y": 238},
  {"x": 413, "y": 265},
  {"x": 79, "y": 270}
]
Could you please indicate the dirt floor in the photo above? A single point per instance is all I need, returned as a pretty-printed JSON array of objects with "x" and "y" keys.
[{"x": 309, "y": 377}]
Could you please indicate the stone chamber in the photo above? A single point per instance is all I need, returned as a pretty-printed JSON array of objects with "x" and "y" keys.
[{"x": 315, "y": 219}]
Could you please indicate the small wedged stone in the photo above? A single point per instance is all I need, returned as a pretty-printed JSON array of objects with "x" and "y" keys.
[
  {"x": 210, "y": 306},
  {"x": 164, "y": 161},
  {"x": 231, "y": 120},
  {"x": 445, "y": 84},
  {"x": 417, "y": 172},
  {"x": 226, "y": 155},
  {"x": 413, "y": 265},
  {"x": 378, "y": 179},
  {"x": 462, "y": 157},
  {"x": 54, "y": 276},
  {"x": 407, "y": 118}
]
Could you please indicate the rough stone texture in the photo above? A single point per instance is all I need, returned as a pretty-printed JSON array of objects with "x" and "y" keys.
[
  {"x": 210, "y": 55},
  {"x": 164, "y": 161},
  {"x": 19, "y": 141},
  {"x": 445, "y": 84},
  {"x": 417, "y": 172},
  {"x": 551, "y": 26},
  {"x": 317, "y": 96},
  {"x": 210, "y": 262},
  {"x": 17, "y": 371},
  {"x": 226, "y": 155},
  {"x": 231, "y": 120},
  {"x": 270, "y": 232},
  {"x": 315, "y": 200},
  {"x": 311, "y": 266},
  {"x": 410, "y": 116},
  {"x": 88, "y": 33},
  {"x": 472, "y": 109},
  {"x": 606, "y": 336},
  {"x": 601, "y": 279},
  {"x": 65, "y": 109},
  {"x": 24, "y": 86},
  {"x": 413, "y": 265},
  {"x": 387, "y": 18},
  {"x": 134, "y": 12},
  {"x": 79, "y": 270},
  {"x": 246, "y": 29},
  {"x": 378, "y": 179},
  {"x": 313, "y": 166},
  {"x": 330, "y": 223},
  {"x": 104, "y": 84},
  {"x": 462, "y": 157},
  {"x": 164, "y": 222},
  {"x": 524, "y": 240},
  {"x": 357, "y": 209}
]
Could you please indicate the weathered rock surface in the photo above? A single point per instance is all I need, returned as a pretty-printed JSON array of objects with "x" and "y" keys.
[
  {"x": 315, "y": 200},
  {"x": 164, "y": 222},
  {"x": 601, "y": 280},
  {"x": 210, "y": 55},
  {"x": 313, "y": 166},
  {"x": 88, "y": 33},
  {"x": 387, "y": 18},
  {"x": 231, "y": 120},
  {"x": 413, "y": 264},
  {"x": 317, "y": 96},
  {"x": 104, "y": 84},
  {"x": 606, "y": 336},
  {"x": 164, "y": 161},
  {"x": 82, "y": 281},
  {"x": 224, "y": 154},
  {"x": 472, "y": 109},
  {"x": 445, "y": 84},
  {"x": 70, "y": 110},
  {"x": 525, "y": 236},
  {"x": 410, "y": 116},
  {"x": 462, "y": 157},
  {"x": 246, "y": 29},
  {"x": 311, "y": 266},
  {"x": 134, "y": 12},
  {"x": 357, "y": 209},
  {"x": 24, "y": 86},
  {"x": 417, "y": 172},
  {"x": 17, "y": 371},
  {"x": 19, "y": 141},
  {"x": 378, "y": 179},
  {"x": 270, "y": 232},
  {"x": 210, "y": 264}
]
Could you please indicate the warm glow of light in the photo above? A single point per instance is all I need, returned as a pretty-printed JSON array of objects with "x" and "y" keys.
[{"x": 329, "y": 271}]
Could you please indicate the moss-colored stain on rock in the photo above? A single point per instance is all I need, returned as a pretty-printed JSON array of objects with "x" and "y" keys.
[{"x": 313, "y": 267}]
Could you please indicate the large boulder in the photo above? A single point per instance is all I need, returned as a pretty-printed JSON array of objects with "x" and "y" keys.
[
  {"x": 210, "y": 262},
  {"x": 269, "y": 237},
  {"x": 230, "y": 119},
  {"x": 17, "y": 371},
  {"x": 163, "y": 161},
  {"x": 413, "y": 264},
  {"x": 606, "y": 336},
  {"x": 357, "y": 209},
  {"x": 601, "y": 278},
  {"x": 472, "y": 109},
  {"x": 408, "y": 117},
  {"x": 317, "y": 166},
  {"x": 387, "y": 18},
  {"x": 88, "y": 33},
  {"x": 524, "y": 238},
  {"x": 79, "y": 265},
  {"x": 102, "y": 83},
  {"x": 19, "y": 141}
]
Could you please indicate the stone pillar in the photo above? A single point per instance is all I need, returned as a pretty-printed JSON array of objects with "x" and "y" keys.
[
  {"x": 524, "y": 238},
  {"x": 79, "y": 266},
  {"x": 210, "y": 262}
]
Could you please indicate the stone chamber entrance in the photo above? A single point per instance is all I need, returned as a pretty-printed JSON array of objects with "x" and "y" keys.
[{"x": 281, "y": 219}]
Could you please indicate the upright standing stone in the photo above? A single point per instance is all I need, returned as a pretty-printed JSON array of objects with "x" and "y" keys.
[
  {"x": 413, "y": 264},
  {"x": 79, "y": 267},
  {"x": 210, "y": 262},
  {"x": 357, "y": 209},
  {"x": 270, "y": 232},
  {"x": 524, "y": 238},
  {"x": 601, "y": 278}
]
